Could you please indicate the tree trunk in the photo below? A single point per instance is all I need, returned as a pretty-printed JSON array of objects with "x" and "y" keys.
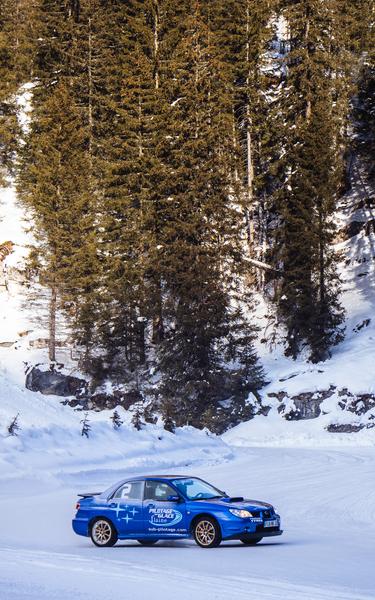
[
  {"x": 90, "y": 117},
  {"x": 52, "y": 325},
  {"x": 142, "y": 342},
  {"x": 308, "y": 100},
  {"x": 156, "y": 43},
  {"x": 157, "y": 321},
  {"x": 249, "y": 152}
]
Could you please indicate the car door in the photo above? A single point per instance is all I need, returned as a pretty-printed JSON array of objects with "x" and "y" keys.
[
  {"x": 162, "y": 516},
  {"x": 126, "y": 507}
]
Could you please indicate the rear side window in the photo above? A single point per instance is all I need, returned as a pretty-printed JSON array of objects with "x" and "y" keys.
[
  {"x": 132, "y": 490},
  {"x": 157, "y": 490}
]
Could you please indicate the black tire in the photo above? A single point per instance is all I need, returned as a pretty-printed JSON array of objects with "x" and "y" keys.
[
  {"x": 103, "y": 533},
  {"x": 251, "y": 542},
  {"x": 207, "y": 533},
  {"x": 145, "y": 542}
]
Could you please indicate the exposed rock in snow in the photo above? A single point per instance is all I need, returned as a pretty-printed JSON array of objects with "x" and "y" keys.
[
  {"x": 311, "y": 405},
  {"x": 105, "y": 401},
  {"x": 53, "y": 383}
]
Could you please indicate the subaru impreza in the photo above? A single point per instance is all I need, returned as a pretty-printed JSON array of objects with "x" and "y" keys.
[{"x": 160, "y": 507}]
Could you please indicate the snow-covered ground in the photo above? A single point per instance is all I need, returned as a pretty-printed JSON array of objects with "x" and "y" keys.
[{"x": 326, "y": 499}]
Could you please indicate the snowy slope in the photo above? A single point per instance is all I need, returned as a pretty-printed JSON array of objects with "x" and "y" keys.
[
  {"x": 352, "y": 366},
  {"x": 23, "y": 342},
  {"x": 22, "y": 331},
  {"x": 353, "y": 363},
  {"x": 50, "y": 439}
]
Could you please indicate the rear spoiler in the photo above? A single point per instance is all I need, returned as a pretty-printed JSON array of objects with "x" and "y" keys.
[{"x": 89, "y": 494}]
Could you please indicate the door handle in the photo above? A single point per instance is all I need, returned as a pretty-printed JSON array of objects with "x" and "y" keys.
[
  {"x": 112, "y": 505},
  {"x": 151, "y": 505}
]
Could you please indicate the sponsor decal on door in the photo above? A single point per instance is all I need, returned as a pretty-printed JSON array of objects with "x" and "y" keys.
[{"x": 165, "y": 517}]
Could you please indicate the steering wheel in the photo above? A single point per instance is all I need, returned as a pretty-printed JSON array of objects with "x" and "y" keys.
[{"x": 199, "y": 495}]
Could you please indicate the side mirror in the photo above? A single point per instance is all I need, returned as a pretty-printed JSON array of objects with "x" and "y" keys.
[{"x": 174, "y": 498}]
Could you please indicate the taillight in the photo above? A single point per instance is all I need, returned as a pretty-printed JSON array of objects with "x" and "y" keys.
[{"x": 78, "y": 506}]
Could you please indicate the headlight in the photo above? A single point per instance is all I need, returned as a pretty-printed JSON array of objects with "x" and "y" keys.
[{"x": 243, "y": 514}]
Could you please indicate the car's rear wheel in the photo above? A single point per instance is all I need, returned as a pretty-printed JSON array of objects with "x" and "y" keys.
[
  {"x": 103, "y": 533},
  {"x": 147, "y": 542},
  {"x": 207, "y": 532},
  {"x": 251, "y": 542}
]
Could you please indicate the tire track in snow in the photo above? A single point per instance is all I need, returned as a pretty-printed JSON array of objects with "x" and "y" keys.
[{"x": 191, "y": 583}]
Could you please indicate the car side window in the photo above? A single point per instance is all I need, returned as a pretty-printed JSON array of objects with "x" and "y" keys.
[
  {"x": 159, "y": 491},
  {"x": 131, "y": 490}
]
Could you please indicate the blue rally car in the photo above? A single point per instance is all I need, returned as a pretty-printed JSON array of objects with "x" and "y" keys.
[{"x": 162, "y": 507}]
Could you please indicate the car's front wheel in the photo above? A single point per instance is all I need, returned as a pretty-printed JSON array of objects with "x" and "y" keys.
[
  {"x": 145, "y": 542},
  {"x": 103, "y": 533},
  {"x": 207, "y": 533},
  {"x": 251, "y": 542}
]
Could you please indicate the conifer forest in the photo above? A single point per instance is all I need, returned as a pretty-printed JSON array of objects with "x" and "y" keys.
[{"x": 182, "y": 159}]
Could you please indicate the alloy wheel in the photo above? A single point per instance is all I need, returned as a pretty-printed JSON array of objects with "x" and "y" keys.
[
  {"x": 101, "y": 532},
  {"x": 205, "y": 532}
]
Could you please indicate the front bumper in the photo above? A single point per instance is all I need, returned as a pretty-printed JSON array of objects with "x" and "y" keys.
[
  {"x": 255, "y": 535},
  {"x": 252, "y": 527}
]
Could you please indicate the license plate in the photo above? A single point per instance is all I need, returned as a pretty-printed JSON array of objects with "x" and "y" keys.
[{"x": 273, "y": 523}]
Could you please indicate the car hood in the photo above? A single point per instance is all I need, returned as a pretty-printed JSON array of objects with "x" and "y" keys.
[{"x": 237, "y": 502}]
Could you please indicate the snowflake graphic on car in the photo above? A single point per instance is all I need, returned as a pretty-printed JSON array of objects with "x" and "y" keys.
[
  {"x": 127, "y": 518},
  {"x": 127, "y": 510}
]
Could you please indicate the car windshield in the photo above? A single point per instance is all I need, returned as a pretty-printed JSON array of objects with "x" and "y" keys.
[{"x": 196, "y": 489}]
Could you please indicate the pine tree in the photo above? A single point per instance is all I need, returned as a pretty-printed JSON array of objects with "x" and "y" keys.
[
  {"x": 242, "y": 46},
  {"x": 137, "y": 420},
  {"x": 122, "y": 324},
  {"x": 86, "y": 427},
  {"x": 366, "y": 113},
  {"x": 309, "y": 297},
  {"x": 134, "y": 190},
  {"x": 116, "y": 420},
  {"x": 9, "y": 81},
  {"x": 362, "y": 38},
  {"x": 169, "y": 411},
  {"x": 55, "y": 176},
  {"x": 53, "y": 182},
  {"x": 97, "y": 81},
  {"x": 201, "y": 253}
]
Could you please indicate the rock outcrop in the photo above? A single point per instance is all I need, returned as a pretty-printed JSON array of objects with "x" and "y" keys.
[
  {"x": 54, "y": 383},
  {"x": 311, "y": 405}
]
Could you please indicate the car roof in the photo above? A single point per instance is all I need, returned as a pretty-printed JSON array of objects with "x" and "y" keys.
[
  {"x": 159, "y": 477},
  {"x": 114, "y": 487}
]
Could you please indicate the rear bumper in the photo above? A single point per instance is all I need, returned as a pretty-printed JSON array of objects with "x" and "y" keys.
[{"x": 80, "y": 526}]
